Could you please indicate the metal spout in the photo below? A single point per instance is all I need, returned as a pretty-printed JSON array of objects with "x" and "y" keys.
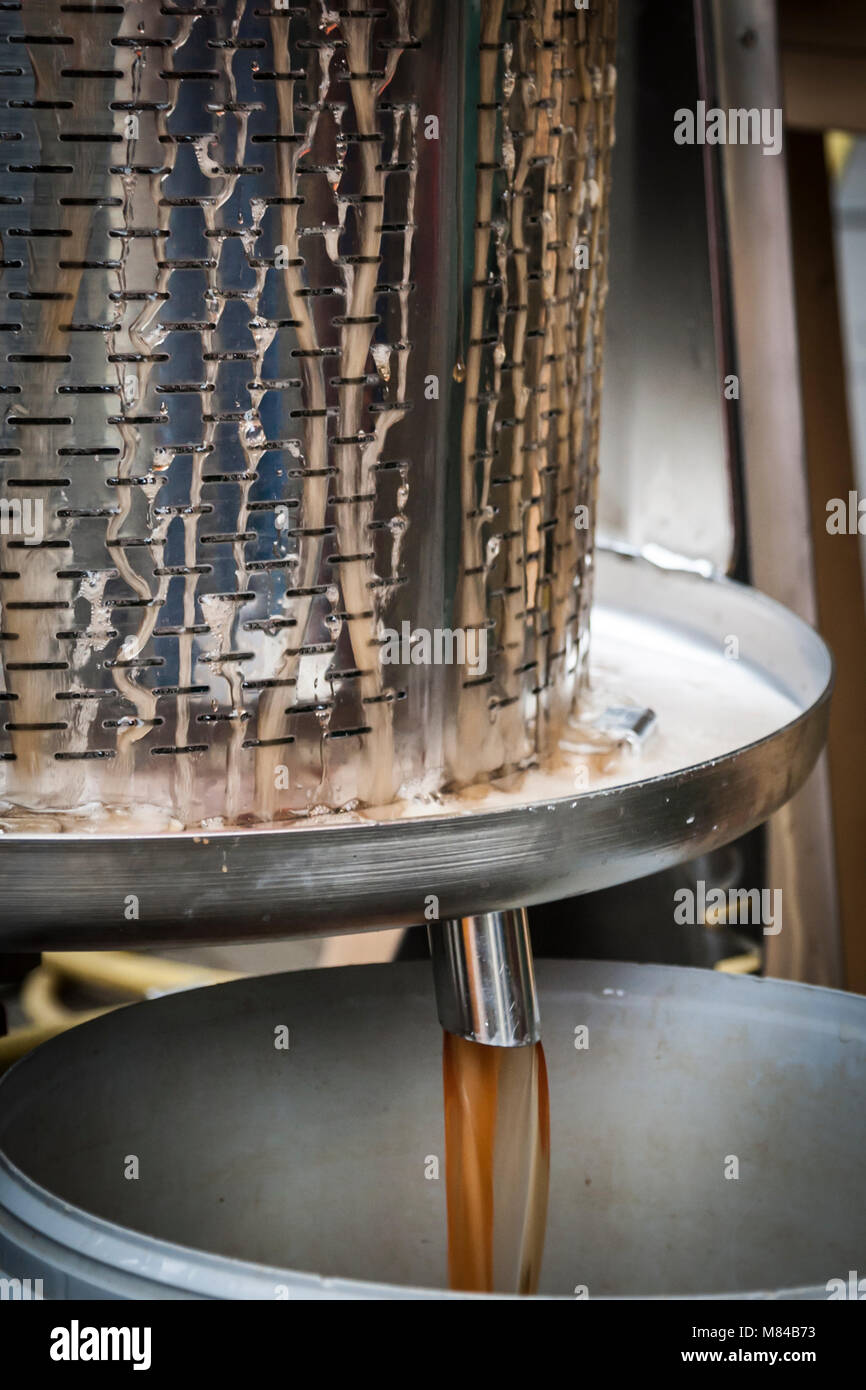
[{"x": 484, "y": 978}]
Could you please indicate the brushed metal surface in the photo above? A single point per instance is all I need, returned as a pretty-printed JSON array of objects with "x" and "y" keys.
[
  {"x": 257, "y": 1165},
  {"x": 484, "y": 978},
  {"x": 285, "y": 373},
  {"x": 73, "y": 890}
]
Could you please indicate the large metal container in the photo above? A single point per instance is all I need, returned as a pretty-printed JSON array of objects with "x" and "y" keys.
[
  {"x": 302, "y": 349},
  {"x": 708, "y": 1141}
]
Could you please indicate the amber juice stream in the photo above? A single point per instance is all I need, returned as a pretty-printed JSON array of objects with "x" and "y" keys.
[{"x": 497, "y": 1161}]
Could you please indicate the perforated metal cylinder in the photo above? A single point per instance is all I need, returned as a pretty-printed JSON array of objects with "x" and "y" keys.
[{"x": 300, "y": 342}]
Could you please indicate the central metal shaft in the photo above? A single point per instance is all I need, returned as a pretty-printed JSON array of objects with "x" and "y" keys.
[{"x": 484, "y": 978}]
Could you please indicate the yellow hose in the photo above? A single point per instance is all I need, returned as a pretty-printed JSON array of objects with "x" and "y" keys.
[
  {"x": 126, "y": 972},
  {"x": 40, "y": 999},
  {"x": 117, "y": 972},
  {"x": 746, "y": 964}
]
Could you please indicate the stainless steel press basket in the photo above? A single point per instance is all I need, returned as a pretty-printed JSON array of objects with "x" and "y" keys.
[{"x": 301, "y": 357}]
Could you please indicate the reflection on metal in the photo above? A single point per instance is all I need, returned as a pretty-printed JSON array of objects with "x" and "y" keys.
[{"x": 485, "y": 982}]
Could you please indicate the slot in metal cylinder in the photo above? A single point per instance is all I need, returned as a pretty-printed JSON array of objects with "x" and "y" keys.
[{"x": 302, "y": 364}]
